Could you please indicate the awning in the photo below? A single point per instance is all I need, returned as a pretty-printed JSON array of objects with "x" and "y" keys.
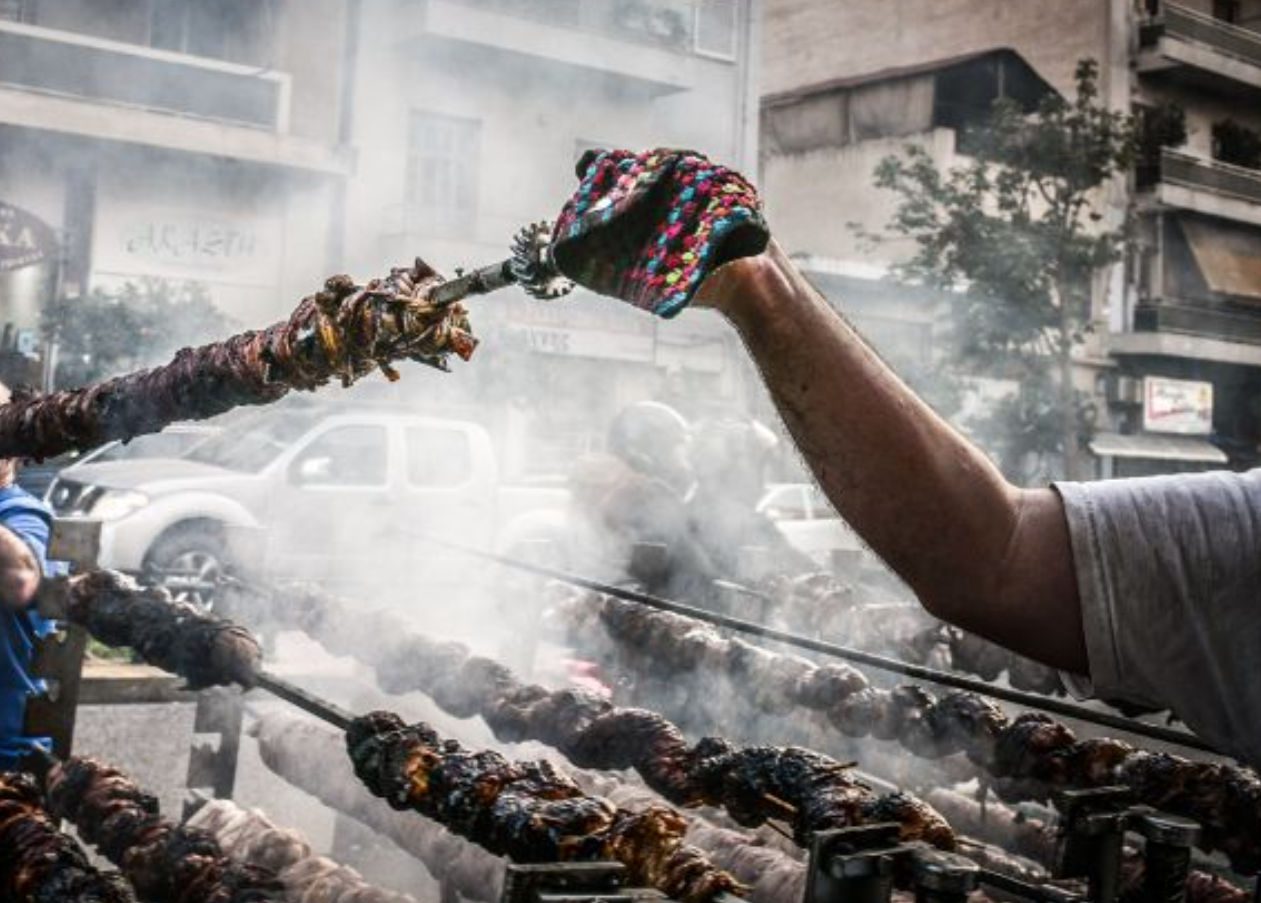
[
  {"x": 1229, "y": 257},
  {"x": 1155, "y": 447}
]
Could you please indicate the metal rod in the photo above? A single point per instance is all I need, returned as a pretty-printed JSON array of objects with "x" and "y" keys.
[
  {"x": 872, "y": 660},
  {"x": 481, "y": 281},
  {"x": 308, "y": 702}
]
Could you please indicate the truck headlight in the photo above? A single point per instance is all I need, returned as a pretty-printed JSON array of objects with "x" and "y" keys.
[{"x": 113, "y": 504}]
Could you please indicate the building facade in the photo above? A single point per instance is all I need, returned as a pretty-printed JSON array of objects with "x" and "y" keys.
[
  {"x": 172, "y": 140},
  {"x": 1175, "y": 359},
  {"x": 469, "y": 118}
]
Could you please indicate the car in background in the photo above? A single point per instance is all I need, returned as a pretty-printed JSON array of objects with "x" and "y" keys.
[
  {"x": 342, "y": 496},
  {"x": 38, "y": 478},
  {"x": 808, "y": 521}
]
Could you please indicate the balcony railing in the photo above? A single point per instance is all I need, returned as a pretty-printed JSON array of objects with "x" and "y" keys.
[
  {"x": 73, "y": 65},
  {"x": 1177, "y": 168},
  {"x": 664, "y": 23},
  {"x": 1178, "y": 21}
]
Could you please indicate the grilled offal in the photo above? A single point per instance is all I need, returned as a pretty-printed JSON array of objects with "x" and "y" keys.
[
  {"x": 1030, "y": 755},
  {"x": 752, "y": 783},
  {"x": 175, "y": 636},
  {"x": 165, "y": 862},
  {"x": 39, "y": 864},
  {"x": 527, "y": 811},
  {"x": 344, "y": 331}
]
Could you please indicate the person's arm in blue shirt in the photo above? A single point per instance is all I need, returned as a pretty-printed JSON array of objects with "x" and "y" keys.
[{"x": 20, "y": 568}]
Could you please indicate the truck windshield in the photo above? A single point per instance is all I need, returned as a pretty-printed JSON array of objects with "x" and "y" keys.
[{"x": 252, "y": 444}]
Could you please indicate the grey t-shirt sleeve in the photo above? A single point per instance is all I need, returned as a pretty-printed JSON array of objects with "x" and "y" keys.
[{"x": 1169, "y": 574}]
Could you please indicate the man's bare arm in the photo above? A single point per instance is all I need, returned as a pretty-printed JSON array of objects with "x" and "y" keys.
[
  {"x": 19, "y": 571},
  {"x": 979, "y": 553}
]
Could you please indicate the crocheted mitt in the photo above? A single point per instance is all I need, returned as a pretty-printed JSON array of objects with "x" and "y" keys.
[{"x": 648, "y": 228}]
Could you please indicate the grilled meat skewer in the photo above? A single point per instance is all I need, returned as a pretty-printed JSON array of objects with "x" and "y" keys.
[
  {"x": 38, "y": 863},
  {"x": 593, "y": 733},
  {"x": 204, "y": 649},
  {"x": 344, "y": 331},
  {"x": 1029, "y": 755},
  {"x": 248, "y": 836},
  {"x": 527, "y": 811},
  {"x": 311, "y": 756},
  {"x": 165, "y": 862}
]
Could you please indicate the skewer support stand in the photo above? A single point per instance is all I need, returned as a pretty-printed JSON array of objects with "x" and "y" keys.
[
  {"x": 572, "y": 882},
  {"x": 854, "y": 865},
  {"x": 1091, "y": 838},
  {"x": 1168, "y": 855},
  {"x": 943, "y": 877}
]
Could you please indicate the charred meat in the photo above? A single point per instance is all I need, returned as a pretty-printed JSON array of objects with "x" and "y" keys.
[
  {"x": 344, "y": 331},
  {"x": 39, "y": 863},
  {"x": 165, "y": 862},
  {"x": 527, "y": 811},
  {"x": 175, "y": 636}
]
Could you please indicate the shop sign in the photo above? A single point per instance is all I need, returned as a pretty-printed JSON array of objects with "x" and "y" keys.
[
  {"x": 24, "y": 238},
  {"x": 1177, "y": 406},
  {"x": 583, "y": 327},
  {"x": 185, "y": 244}
]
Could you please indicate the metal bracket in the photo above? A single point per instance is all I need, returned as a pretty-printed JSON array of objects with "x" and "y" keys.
[
  {"x": 58, "y": 660},
  {"x": 1091, "y": 835},
  {"x": 572, "y": 882},
  {"x": 943, "y": 877},
  {"x": 854, "y": 865},
  {"x": 76, "y": 541},
  {"x": 1167, "y": 856}
]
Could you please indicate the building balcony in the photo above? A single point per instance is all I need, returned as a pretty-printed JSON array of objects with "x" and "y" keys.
[
  {"x": 657, "y": 44},
  {"x": 79, "y": 84},
  {"x": 1182, "y": 181},
  {"x": 1183, "y": 45}
]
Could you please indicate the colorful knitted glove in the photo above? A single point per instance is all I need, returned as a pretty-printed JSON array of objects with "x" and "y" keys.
[{"x": 648, "y": 228}]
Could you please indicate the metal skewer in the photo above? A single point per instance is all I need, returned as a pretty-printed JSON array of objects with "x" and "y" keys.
[
  {"x": 308, "y": 702},
  {"x": 858, "y": 656},
  {"x": 530, "y": 266}
]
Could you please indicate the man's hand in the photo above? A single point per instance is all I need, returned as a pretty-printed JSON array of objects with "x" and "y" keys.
[
  {"x": 649, "y": 228},
  {"x": 19, "y": 571}
]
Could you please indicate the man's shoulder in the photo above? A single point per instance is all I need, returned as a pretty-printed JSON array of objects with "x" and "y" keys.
[{"x": 16, "y": 502}]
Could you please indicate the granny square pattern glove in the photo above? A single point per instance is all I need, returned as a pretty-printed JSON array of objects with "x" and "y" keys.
[{"x": 648, "y": 228}]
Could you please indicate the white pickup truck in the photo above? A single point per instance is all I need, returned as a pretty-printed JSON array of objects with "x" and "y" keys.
[{"x": 342, "y": 497}]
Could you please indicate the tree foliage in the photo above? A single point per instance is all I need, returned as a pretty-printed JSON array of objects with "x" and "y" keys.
[
  {"x": 1019, "y": 234},
  {"x": 143, "y": 323}
]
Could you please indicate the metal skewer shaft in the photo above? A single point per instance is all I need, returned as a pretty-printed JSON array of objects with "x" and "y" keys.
[
  {"x": 481, "y": 281},
  {"x": 308, "y": 702},
  {"x": 858, "y": 656}
]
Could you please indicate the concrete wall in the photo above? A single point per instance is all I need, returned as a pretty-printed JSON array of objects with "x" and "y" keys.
[
  {"x": 808, "y": 41},
  {"x": 813, "y": 199}
]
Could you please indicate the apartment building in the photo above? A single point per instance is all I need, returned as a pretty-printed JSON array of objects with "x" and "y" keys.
[
  {"x": 168, "y": 139},
  {"x": 469, "y": 118},
  {"x": 1176, "y": 359}
]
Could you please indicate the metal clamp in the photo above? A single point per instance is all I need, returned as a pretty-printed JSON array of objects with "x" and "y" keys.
[
  {"x": 1091, "y": 836},
  {"x": 854, "y": 865},
  {"x": 572, "y": 882},
  {"x": 1167, "y": 857},
  {"x": 943, "y": 877}
]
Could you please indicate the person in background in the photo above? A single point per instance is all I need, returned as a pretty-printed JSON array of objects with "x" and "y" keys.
[
  {"x": 25, "y": 528},
  {"x": 729, "y": 458},
  {"x": 1145, "y": 590}
]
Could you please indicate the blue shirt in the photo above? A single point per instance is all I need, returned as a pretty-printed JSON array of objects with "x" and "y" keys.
[{"x": 31, "y": 521}]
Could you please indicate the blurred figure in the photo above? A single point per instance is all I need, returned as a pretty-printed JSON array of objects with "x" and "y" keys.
[
  {"x": 730, "y": 458},
  {"x": 25, "y": 529}
]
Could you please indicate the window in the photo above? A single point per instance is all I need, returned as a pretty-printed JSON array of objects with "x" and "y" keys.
[
  {"x": 1226, "y": 10},
  {"x": 438, "y": 458},
  {"x": 442, "y": 159},
  {"x": 13, "y": 10},
  {"x": 240, "y": 31},
  {"x": 717, "y": 31},
  {"x": 344, "y": 456}
]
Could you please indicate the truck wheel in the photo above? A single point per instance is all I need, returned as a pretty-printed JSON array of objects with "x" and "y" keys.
[{"x": 189, "y": 559}]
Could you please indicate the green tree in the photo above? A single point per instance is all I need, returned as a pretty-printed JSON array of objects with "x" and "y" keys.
[
  {"x": 142, "y": 323},
  {"x": 1018, "y": 233}
]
